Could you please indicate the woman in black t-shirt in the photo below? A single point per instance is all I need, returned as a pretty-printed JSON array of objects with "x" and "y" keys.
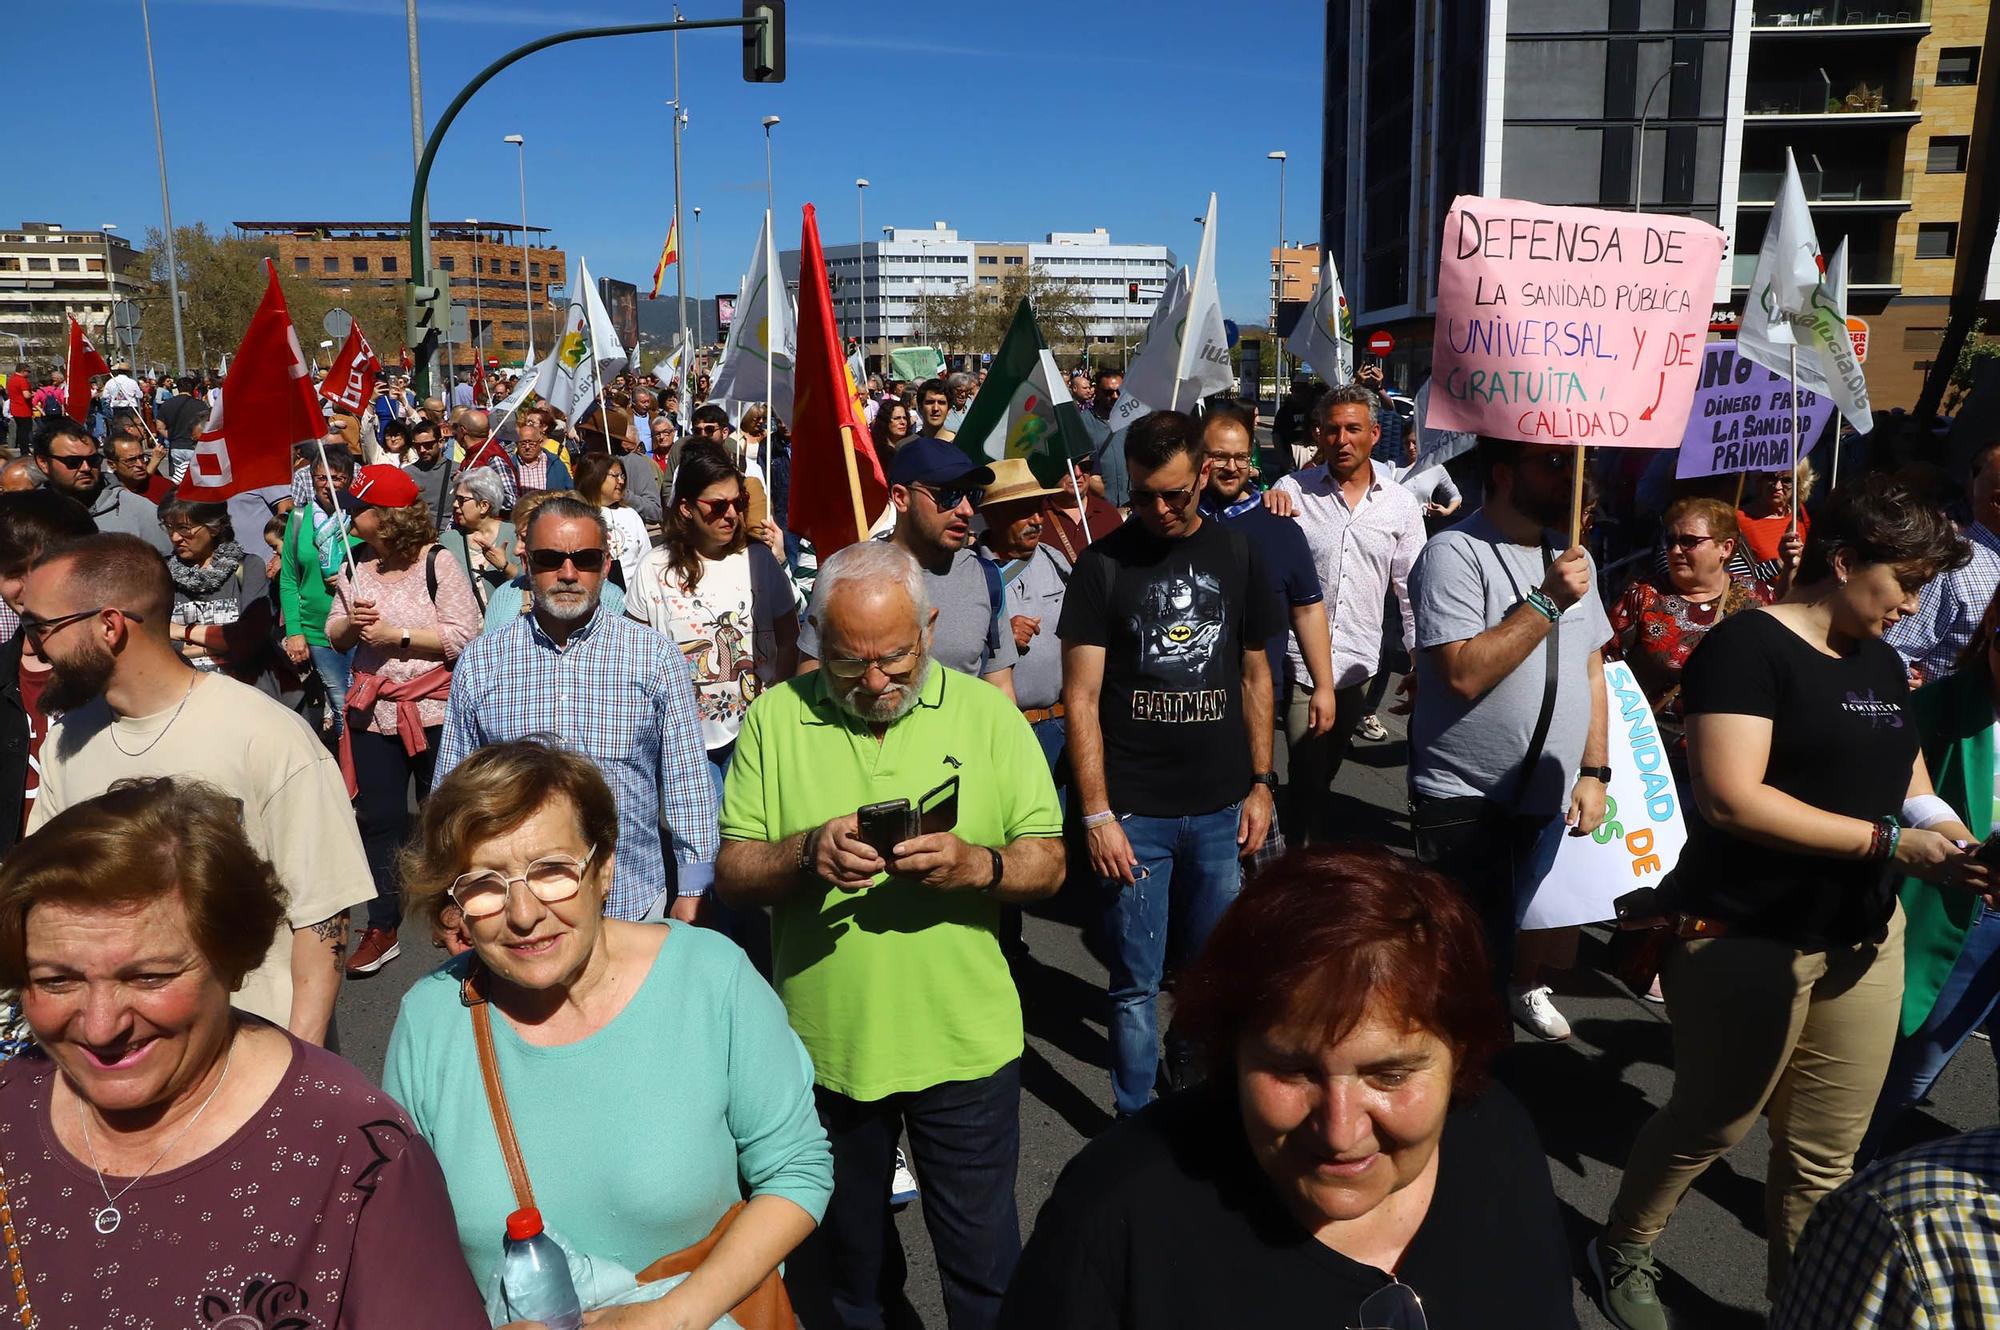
[
  {"x": 1345, "y": 1157},
  {"x": 1785, "y": 987}
]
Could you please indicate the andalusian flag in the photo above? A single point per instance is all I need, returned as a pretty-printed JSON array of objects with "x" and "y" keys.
[
  {"x": 1024, "y": 408},
  {"x": 670, "y": 254},
  {"x": 1324, "y": 337}
]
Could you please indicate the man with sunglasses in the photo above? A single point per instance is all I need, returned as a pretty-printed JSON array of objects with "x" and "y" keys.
[
  {"x": 97, "y": 610},
  {"x": 1167, "y": 695},
  {"x": 70, "y": 458},
  {"x": 605, "y": 686},
  {"x": 935, "y": 489}
]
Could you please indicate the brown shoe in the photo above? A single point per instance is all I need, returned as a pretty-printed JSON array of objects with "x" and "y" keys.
[{"x": 377, "y": 948}]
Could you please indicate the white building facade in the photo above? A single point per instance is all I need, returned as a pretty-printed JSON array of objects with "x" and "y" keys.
[{"x": 47, "y": 273}]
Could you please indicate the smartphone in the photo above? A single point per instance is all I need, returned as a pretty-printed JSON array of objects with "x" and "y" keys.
[
  {"x": 885, "y": 825},
  {"x": 938, "y": 810},
  {"x": 1988, "y": 852}
]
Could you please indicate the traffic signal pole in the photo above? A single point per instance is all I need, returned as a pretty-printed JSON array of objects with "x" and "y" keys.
[{"x": 762, "y": 25}]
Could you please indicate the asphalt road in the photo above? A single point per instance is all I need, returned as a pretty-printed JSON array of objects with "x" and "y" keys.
[{"x": 1588, "y": 1095}]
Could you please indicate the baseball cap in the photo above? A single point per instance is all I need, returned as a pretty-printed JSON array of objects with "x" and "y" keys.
[
  {"x": 379, "y": 486},
  {"x": 928, "y": 460}
]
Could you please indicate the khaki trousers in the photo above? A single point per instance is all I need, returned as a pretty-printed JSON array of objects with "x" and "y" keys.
[{"x": 1758, "y": 1024}]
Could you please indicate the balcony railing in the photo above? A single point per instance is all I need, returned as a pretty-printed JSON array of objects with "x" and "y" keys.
[
  {"x": 1837, "y": 13},
  {"x": 1821, "y": 186},
  {"x": 1822, "y": 95},
  {"x": 1872, "y": 271}
]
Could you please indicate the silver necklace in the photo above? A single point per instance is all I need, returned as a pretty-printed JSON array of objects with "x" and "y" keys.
[
  {"x": 194, "y": 677},
  {"x": 107, "y": 1220}
]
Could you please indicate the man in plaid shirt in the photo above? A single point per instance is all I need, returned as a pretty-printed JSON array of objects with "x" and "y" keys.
[{"x": 609, "y": 688}]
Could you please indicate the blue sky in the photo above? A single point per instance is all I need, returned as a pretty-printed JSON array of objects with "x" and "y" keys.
[{"x": 1006, "y": 120}]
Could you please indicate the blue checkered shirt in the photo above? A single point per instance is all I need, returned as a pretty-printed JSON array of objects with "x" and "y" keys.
[
  {"x": 1950, "y": 609},
  {"x": 1913, "y": 1243},
  {"x": 620, "y": 694}
]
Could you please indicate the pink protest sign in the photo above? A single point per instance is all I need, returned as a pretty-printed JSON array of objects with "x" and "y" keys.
[{"x": 1570, "y": 325}]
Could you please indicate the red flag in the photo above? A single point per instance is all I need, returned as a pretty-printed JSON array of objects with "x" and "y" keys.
[
  {"x": 827, "y": 421},
  {"x": 350, "y": 384},
  {"x": 480, "y": 391},
  {"x": 267, "y": 408},
  {"x": 83, "y": 362}
]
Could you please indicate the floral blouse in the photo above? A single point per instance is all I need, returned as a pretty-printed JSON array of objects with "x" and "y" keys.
[{"x": 1655, "y": 630}]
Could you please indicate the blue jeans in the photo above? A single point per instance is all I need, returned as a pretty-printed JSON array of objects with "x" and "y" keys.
[
  {"x": 1053, "y": 736},
  {"x": 965, "y": 1145},
  {"x": 335, "y": 669},
  {"x": 1966, "y": 1002},
  {"x": 1187, "y": 876}
]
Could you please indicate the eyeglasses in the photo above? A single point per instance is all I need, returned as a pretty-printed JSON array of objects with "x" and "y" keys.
[
  {"x": 948, "y": 499},
  {"x": 1174, "y": 500},
  {"x": 896, "y": 664},
  {"x": 713, "y": 509},
  {"x": 1229, "y": 461},
  {"x": 553, "y": 878},
  {"x": 1392, "y": 1307},
  {"x": 1686, "y": 543},
  {"x": 457, "y": 499},
  {"x": 551, "y": 561},
  {"x": 79, "y": 461},
  {"x": 37, "y": 631}
]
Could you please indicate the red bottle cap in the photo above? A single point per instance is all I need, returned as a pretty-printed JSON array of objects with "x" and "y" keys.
[{"x": 524, "y": 1224}]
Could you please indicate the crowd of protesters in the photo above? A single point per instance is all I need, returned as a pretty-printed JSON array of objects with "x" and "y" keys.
[{"x": 722, "y": 847}]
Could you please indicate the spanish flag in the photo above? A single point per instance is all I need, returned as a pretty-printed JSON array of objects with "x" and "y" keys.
[{"x": 670, "y": 253}]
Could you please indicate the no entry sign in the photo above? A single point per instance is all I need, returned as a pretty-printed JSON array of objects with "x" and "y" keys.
[{"x": 1380, "y": 342}]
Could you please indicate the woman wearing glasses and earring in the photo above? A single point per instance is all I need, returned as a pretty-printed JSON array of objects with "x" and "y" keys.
[{"x": 643, "y": 1076}]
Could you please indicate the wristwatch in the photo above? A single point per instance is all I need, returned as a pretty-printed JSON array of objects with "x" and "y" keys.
[
  {"x": 1269, "y": 778},
  {"x": 406, "y": 637},
  {"x": 1595, "y": 773}
]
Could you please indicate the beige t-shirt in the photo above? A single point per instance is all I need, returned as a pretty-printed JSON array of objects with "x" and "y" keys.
[{"x": 295, "y": 805}]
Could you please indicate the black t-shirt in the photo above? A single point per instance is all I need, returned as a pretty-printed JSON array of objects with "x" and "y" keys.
[
  {"x": 1172, "y": 616},
  {"x": 182, "y": 415},
  {"x": 1166, "y": 1222},
  {"x": 1841, "y": 739}
]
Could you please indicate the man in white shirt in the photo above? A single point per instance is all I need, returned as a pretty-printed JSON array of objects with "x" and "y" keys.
[
  {"x": 121, "y": 392},
  {"x": 1365, "y": 532}
]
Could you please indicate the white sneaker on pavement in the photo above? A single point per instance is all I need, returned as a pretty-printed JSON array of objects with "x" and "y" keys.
[
  {"x": 902, "y": 1182},
  {"x": 1371, "y": 728},
  {"x": 1536, "y": 1013}
]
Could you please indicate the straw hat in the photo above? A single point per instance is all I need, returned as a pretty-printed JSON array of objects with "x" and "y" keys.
[{"x": 1013, "y": 480}]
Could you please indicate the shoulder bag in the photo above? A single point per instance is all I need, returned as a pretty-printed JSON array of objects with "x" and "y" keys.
[{"x": 769, "y": 1306}]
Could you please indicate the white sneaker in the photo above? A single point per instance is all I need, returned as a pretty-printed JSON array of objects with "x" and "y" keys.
[
  {"x": 1371, "y": 728},
  {"x": 1536, "y": 1014},
  {"x": 903, "y": 1183}
]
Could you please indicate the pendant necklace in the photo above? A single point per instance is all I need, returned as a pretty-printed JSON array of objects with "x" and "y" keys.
[
  {"x": 194, "y": 677},
  {"x": 107, "y": 1220}
]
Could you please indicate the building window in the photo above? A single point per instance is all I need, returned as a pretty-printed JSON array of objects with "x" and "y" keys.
[
  {"x": 388, "y": 263},
  {"x": 534, "y": 269},
  {"x": 514, "y": 268},
  {"x": 299, "y": 264},
  {"x": 69, "y": 265},
  {"x": 1958, "y": 66},
  {"x": 1937, "y": 240},
  {"x": 360, "y": 263},
  {"x": 1947, "y": 155},
  {"x": 328, "y": 263},
  {"x": 448, "y": 264},
  {"x": 989, "y": 261},
  {"x": 1015, "y": 260}
]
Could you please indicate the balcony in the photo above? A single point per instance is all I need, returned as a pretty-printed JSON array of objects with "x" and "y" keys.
[
  {"x": 1870, "y": 275},
  {"x": 1820, "y": 100},
  {"x": 1845, "y": 190},
  {"x": 1838, "y": 18}
]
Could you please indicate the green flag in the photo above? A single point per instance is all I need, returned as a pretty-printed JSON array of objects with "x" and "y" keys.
[{"x": 1024, "y": 408}]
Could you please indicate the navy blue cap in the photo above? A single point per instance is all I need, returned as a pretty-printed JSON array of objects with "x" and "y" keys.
[{"x": 929, "y": 460}]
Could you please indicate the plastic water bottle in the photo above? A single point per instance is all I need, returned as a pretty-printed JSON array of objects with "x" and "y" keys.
[{"x": 534, "y": 1275}]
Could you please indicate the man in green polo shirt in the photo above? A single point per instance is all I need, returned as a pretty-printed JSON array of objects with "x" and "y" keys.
[{"x": 886, "y": 956}]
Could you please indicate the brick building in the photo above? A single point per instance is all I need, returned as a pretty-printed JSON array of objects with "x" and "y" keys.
[{"x": 483, "y": 258}]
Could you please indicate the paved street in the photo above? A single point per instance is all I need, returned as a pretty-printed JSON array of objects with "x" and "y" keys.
[{"x": 1588, "y": 1095}]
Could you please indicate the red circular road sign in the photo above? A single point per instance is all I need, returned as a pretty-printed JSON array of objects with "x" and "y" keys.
[{"x": 1380, "y": 343}]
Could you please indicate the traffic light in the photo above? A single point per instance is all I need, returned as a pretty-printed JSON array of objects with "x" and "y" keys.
[
  {"x": 764, "y": 43},
  {"x": 1132, "y": 293},
  {"x": 426, "y": 308}
]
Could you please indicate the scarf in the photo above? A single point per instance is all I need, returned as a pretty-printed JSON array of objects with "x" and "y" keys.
[
  {"x": 328, "y": 531},
  {"x": 199, "y": 582}
]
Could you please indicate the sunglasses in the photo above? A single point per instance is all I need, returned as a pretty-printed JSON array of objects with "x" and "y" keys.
[
  {"x": 552, "y": 879},
  {"x": 1685, "y": 543},
  {"x": 713, "y": 509},
  {"x": 949, "y": 499},
  {"x": 551, "y": 561},
  {"x": 1174, "y": 500},
  {"x": 37, "y": 631},
  {"x": 78, "y": 462}
]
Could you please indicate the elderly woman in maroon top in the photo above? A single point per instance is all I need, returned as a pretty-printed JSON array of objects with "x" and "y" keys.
[{"x": 164, "y": 1159}]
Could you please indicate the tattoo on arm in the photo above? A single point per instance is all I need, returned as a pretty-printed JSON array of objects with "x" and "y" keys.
[{"x": 333, "y": 932}]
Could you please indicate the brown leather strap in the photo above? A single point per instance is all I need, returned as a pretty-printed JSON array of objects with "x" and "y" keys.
[
  {"x": 16, "y": 1272},
  {"x": 472, "y": 994}
]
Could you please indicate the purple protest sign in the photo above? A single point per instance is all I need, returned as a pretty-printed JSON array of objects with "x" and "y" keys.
[{"x": 1742, "y": 417}]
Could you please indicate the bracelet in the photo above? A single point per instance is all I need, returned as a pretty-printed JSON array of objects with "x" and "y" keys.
[
  {"x": 804, "y": 864},
  {"x": 1883, "y": 838},
  {"x": 1092, "y": 821},
  {"x": 1543, "y": 604},
  {"x": 999, "y": 871}
]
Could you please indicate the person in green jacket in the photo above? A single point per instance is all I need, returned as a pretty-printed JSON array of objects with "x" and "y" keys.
[
  {"x": 316, "y": 540},
  {"x": 1951, "y": 942}
]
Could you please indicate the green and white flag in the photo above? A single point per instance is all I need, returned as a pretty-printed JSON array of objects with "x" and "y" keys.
[
  {"x": 1024, "y": 408},
  {"x": 757, "y": 359}
]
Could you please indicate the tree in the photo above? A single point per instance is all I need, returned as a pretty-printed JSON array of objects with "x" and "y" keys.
[
  {"x": 1973, "y": 354},
  {"x": 976, "y": 317}
]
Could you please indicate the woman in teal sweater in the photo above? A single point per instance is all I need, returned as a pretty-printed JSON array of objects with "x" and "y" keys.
[
  {"x": 316, "y": 540},
  {"x": 650, "y": 1074},
  {"x": 1951, "y": 942}
]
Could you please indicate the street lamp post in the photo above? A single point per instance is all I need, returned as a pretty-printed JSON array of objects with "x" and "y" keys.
[
  {"x": 861, "y": 257},
  {"x": 1278, "y": 286},
  {"x": 166, "y": 201},
  {"x": 770, "y": 194},
  {"x": 527, "y": 278},
  {"x": 1639, "y": 155},
  {"x": 700, "y": 322}
]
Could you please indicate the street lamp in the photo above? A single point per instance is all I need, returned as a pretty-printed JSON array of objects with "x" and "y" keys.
[
  {"x": 527, "y": 281},
  {"x": 770, "y": 195},
  {"x": 166, "y": 202},
  {"x": 1278, "y": 287},
  {"x": 1639, "y": 156},
  {"x": 700, "y": 323},
  {"x": 861, "y": 254}
]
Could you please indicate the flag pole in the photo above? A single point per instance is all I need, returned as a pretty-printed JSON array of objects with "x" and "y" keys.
[
  {"x": 340, "y": 516},
  {"x": 1576, "y": 498},
  {"x": 1741, "y": 476},
  {"x": 1795, "y": 439},
  {"x": 853, "y": 472},
  {"x": 1082, "y": 518}
]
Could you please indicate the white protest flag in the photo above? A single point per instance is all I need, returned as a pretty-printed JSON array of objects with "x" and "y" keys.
[
  {"x": 1324, "y": 337},
  {"x": 1193, "y": 360},
  {"x": 572, "y": 379},
  {"x": 757, "y": 359},
  {"x": 1155, "y": 347},
  {"x": 667, "y": 372},
  {"x": 508, "y": 407},
  {"x": 1435, "y": 446},
  {"x": 1836, "y": 277},
  {"x": 1792, "y": 306}
]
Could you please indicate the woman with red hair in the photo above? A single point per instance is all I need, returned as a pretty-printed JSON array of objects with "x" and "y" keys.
[{"x": 1347, "y": 1162}]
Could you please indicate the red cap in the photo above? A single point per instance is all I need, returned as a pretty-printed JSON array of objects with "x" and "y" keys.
[
  {"x": 524, "y": 1224},
  {"x": 382, "y": 486}
]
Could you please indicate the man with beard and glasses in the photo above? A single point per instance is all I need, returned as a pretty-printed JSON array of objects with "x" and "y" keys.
[
  {"x": 607, "y": 687},
  {"x": 1509, "y": 730},
  {"x": 97, "y": 611},
  {"x": 31, "y": 522},
  {"x": 883, "y": 935}
]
